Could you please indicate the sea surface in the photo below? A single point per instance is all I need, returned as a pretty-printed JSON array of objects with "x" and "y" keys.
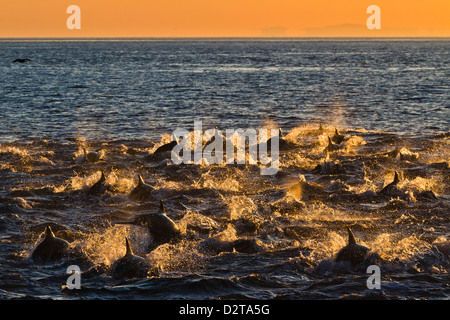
[{"x": 245, "y": 235}]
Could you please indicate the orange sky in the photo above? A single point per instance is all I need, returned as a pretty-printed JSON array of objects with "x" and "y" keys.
[{"x": 224, "y": 18}]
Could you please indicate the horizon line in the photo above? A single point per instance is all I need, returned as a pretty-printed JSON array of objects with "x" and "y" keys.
[{"x": 230, "y": 38}]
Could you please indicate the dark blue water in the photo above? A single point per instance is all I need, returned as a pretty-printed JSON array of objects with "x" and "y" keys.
[
  {"x": 389, "y": 99},
  {"x": 141, "y": 89}
]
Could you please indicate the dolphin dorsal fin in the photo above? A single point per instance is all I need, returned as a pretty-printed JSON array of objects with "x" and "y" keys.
[
  {"x": 280, "y": 133},
  {"x": 162, "y": 209},
  {"x": 49, "y": 233},
  {"x": 351, "y": 237},
  {"x": 396, "y": 179},
  {"x": 141, "y": 180},
  {"x": 103, "y": 178},
  {"x": 329, "y": 141},
  {"x": 175, "y": 138},
  {"x": 127, "y": 244},
  {"x": 336, "y": 132}
]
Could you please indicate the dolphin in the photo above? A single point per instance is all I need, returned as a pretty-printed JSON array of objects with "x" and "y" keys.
[
  {"x": 337, "y": 138},
  {"x": 329, "y": 167},
  {"x": 403, "y": 154},
  {"x": 21, "y": 60},
  {"x": 245, "y": 245},
  {"x": 130, "y": 265},
  {"x": 166, "y": 147},
  {"x": 305, "y": 190},
  {"x": 212, "y": 139},
  {"x": 160, "y": 226},
  {"x": 427, "y": 195},
  {"x": 91, "y": 156},
  {"x": 142, "y": 191},
  {"x": 391, "y": 186},
  {"x": 99, "y": 187},
  {"x": 283, "y": 144},
  {"x": 331, "y": 146},
  {"x": 51, "y": 248},
  {"x": 352, "y": 252},
  {"x": 320, "y": 127}
]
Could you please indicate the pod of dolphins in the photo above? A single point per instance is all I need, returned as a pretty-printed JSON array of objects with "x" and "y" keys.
[{"x": 164, "y": 230}]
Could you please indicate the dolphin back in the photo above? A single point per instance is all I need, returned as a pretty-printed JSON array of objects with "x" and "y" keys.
[{"x": 50, "y": 249}]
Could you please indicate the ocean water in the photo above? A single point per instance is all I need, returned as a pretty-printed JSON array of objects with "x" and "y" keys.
[{"x": 390, "y": 100}]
